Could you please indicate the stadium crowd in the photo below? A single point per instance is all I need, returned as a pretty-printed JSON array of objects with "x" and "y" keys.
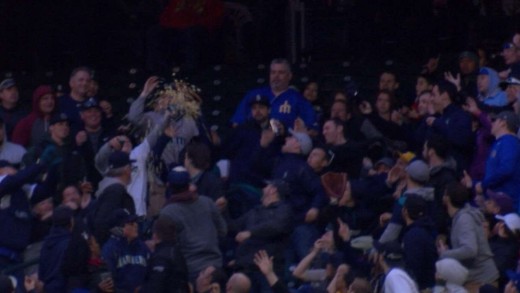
[{"x": 391, "y": 194}]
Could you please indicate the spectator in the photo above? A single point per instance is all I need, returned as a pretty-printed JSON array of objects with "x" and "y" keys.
[
  {"x": 388, "y": 81},
  {"x": 311, "y": 94},
  {"x": 385, "y": 119},
  {"x": 442, "y": 172},
  {"x": 488, "y": 91},
  {"x": 112, "y": 195},
  {"x": 197, "y": 162},
  {"x": 10, "y": 111},
  {"x": 137, "y": 187},
  {"x": 11, "y": 152},
  {"x": 183, "y": 129},
  {"x": 238, "y": 283},
  {"x": 31, "y": 129},
  {"x": 244, "y": 139},
  {"x": 71, "y": 168},
  {"x": 286, "y": 103},
  {"x": 318, "y": 273},
  {"x": 468, "y": 242},
  {"x": 125, "y": 255},
  {"x": 319, "y": 158},
  {"x": 390, "y": 258},
  {"x": 453, "y": 123},
  {"x": 265, "y": 264},
  {"x": 91, "y": 137},
  {"x": 347, "y": 153},
  {"x": 504, "y": 245},
  {"x": 266, "y": 227},
  {"x": 167, "y": 270},
  {"x": 198, "y": 222},
  {"x": 211, "y": 280},
  {"x": 502, "y": 166},
  {"x": 416, "y": 178},
  {"x": 481, "y": 126},
  {"x": 419, "y": 242},
  {"x": 307, "y": 196},
  {"x": 70, "y": 104},
  {"x": 53, "y": 250}
]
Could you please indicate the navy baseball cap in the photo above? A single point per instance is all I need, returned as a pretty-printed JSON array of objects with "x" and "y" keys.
[
  {"x": 119, "y": 159},
  {"x": 262, "y": 100},
  {"x": 90, "y": 103},
  {"x": 7, "y": 83},
  {"x": 59, "y": 117},
  {"x": 120, "y": 217}
]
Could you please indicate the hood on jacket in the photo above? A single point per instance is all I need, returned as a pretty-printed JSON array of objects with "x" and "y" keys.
[
  {"x": 427, "y": 193},
  {"x": 476, "y": 215},
  {"x": 450, "y": 163},
  {"x": 38, "y": 93},
  {"x": 56, "y": 236},
  {"x": 494, "y": 81}
]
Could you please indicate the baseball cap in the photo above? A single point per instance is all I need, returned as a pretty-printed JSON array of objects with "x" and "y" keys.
[
  {"x": 7, "y": 83},
  {"x": 179, "y": 176},
  {"x": 262, "y": 100},
  {"x": 119, "y": 159},
  {"x": 391, "y": 251},
  {"x": 59, "y": 117},
  {"x": 470, "y": 55},
  {"x": 513, "y": 78},
  {"x": 415, "y": 205},
  {"x": 418, "y": 171},
  {"x": 304, "y": 140},
  {"x": 281, "y": 186},
  {"x": 502, "y": 200},
  {"x": 512, "y": 221},
  {"x": 120, "y": 217},
  {"x": 511, "y": 119},
  {"x": 387, "y": 161},
  {"x": 89, "y": 103}
]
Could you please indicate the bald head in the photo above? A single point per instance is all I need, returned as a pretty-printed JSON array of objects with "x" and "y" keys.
[{"x": 238, "y": 283}]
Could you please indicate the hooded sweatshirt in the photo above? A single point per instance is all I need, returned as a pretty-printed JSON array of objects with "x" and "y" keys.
[
  {"x": 33, "y": 127},
  {"x": 470, "y": 246},
  {"x": 494, "y": 96}
]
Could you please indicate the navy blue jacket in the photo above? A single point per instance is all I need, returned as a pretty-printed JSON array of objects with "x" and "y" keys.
[
  {"x": 51, "y": 260},
  {"x": 305, "y": 185},
  {"x": 420, "y": 251},
  {"x": 126, "y": 261},
  {"x": 15, "y": 211},
  {"x": 238, "y": 149},
  {"x": 455, "y": 126}
]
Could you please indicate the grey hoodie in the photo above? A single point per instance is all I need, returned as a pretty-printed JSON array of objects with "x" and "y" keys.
[{"x": 470, "y": 246}]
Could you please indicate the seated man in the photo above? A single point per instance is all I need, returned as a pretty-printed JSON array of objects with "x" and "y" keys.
[{"x": 266, "y": 227}]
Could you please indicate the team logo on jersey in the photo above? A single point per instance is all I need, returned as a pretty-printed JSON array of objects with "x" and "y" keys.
[{"x": 285, "y": 108}]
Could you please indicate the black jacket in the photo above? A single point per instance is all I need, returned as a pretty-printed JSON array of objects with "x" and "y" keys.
[
  {"x": 167, "y": 271},
  {"x": 269, "y": 227}
]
